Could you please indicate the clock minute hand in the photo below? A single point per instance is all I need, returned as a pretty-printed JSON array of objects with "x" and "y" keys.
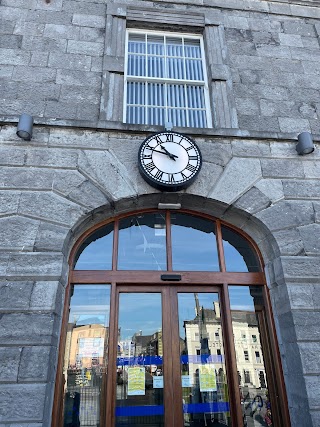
[
  {"x": 172, "y": 156},
  {"x": 160, "y": 152}
]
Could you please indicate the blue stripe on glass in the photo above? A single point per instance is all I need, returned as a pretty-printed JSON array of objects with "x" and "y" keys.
[
  {"x": 195, "y": 408},
  {"x": 203, "y": 359},
  {"x": 140, "y": 360},
  {"x": 136, "y": 411},
  {"x": 158, "y": 360},
  {"x": 192, "y": 408}
]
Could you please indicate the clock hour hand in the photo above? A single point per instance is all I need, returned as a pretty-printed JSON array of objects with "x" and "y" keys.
[{"x": 172, "y": 156}]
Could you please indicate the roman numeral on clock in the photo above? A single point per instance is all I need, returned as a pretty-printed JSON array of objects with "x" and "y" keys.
[
  {"x": 191, "y": 168},
  {"x": 158, "y": 139},
  {"x": 158, "y": 175},
  {"x": 150, "y": 166}
]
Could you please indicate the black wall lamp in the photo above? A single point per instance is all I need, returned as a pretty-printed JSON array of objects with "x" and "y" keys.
[
  {"x": 305, "y": 143},
  {"x": 25, "y": 125}
]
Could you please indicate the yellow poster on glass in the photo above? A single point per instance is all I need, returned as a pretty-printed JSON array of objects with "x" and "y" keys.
[
  {"x": 207, "y": 378},
  {"x": 136, "y": 381}
]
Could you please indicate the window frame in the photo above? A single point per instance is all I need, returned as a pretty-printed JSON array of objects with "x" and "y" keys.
[{"x": 166, "y": 81}]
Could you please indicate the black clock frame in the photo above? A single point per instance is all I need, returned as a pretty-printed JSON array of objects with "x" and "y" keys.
[{"x": 163, "y": 186}]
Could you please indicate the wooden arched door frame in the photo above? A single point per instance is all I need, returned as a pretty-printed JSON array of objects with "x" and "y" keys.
[{"x": 221, "y": 279}]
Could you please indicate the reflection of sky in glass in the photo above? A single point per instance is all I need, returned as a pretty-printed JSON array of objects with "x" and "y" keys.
[
  {"x": 194, "y": 245},
  {"x": 139, "y": 312},
  {"x": 142, "y": 246},
  {"x": 142, "y": 243},
  {"x": 96, "y": 252},
  {"x": 240, "y": 298},
  {"x": 90, "y": 304},
  {"x": 238, "y": 254},
  {"x": 234, "y": 261},
  {"x": 187, "y": 306}
]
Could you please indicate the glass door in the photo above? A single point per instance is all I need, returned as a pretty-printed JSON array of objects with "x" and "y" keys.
[
  {"x": 170, "y": 358},
  {"x": 141, "y": 351},
  {"x": 201, "y": 358}
]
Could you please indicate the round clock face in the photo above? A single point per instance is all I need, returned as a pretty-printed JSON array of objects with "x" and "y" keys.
[{"x": 169, "y": 161}]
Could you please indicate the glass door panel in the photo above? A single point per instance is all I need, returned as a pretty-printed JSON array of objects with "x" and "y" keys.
[
  {"x": 139, "y": 388},
  {"x": 251, "y": 346},
  {"x": 85, "y": 361},
  {"x": 202, "y": 363}
]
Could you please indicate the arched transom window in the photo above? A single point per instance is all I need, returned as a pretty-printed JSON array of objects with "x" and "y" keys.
[{"x": 166, "y": 241}]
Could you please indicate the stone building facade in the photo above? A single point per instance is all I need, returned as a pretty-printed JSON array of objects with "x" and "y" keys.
[{"x": 62, "y": 61}]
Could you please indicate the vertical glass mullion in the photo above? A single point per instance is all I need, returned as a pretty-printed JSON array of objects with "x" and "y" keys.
[
  {"x": 187, "y": 105},
  {"x": 186, "y": 108},
  {"x": 165, "y": 88},
  {"x": 145, "y": 121},
  {"x": 166, "y": 102},
  {"x": 176, "y": 67},
  {"x": 146, "y": 89},
  {"x": 184, "y": 74},
  {"x": 178, "y": 98},
  {"x": 194, "y": 75},
  {"x": 198, "y": 70},
  {"x": 156, "y": 98},
  {"x": 196, "y": 116},
  {"x": 134, "y": 113}
]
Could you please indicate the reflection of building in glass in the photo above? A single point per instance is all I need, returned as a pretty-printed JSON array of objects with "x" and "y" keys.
[
  {"x": 85, "y": 345},
  {"x": 84, "y": 364},
  {"x": 250, "y": 362},
  {"x": 203, "y": 336},
  {"x": 142, "y": 345},
  {"x": 157, "y": 344},
  {"x": 203, "y": 368}
]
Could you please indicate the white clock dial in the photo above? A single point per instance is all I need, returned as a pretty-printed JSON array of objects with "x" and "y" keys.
[{"x": 169, "y": 161}]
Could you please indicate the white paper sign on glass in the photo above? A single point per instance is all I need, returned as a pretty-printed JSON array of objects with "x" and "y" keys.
[
  {"x": 186, "y": 381},
  {"x": 158, "y": 381}
]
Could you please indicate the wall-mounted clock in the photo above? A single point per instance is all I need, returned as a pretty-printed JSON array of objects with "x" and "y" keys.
[{"x": 169, "y": 161}]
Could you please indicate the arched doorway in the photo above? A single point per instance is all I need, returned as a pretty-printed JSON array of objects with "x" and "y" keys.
[{"x": 168, "y": 323}]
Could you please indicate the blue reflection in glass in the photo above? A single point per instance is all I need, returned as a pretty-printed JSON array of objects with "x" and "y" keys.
[
  {"x": 194, "y": 246},
  {"x": 142, "y": 242},
  {"x": 96, "y": 251},
  {"x": 241, "y": 299},
  {"x": 90, "y": 305},
  {"x": 239, "y": 255}
]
